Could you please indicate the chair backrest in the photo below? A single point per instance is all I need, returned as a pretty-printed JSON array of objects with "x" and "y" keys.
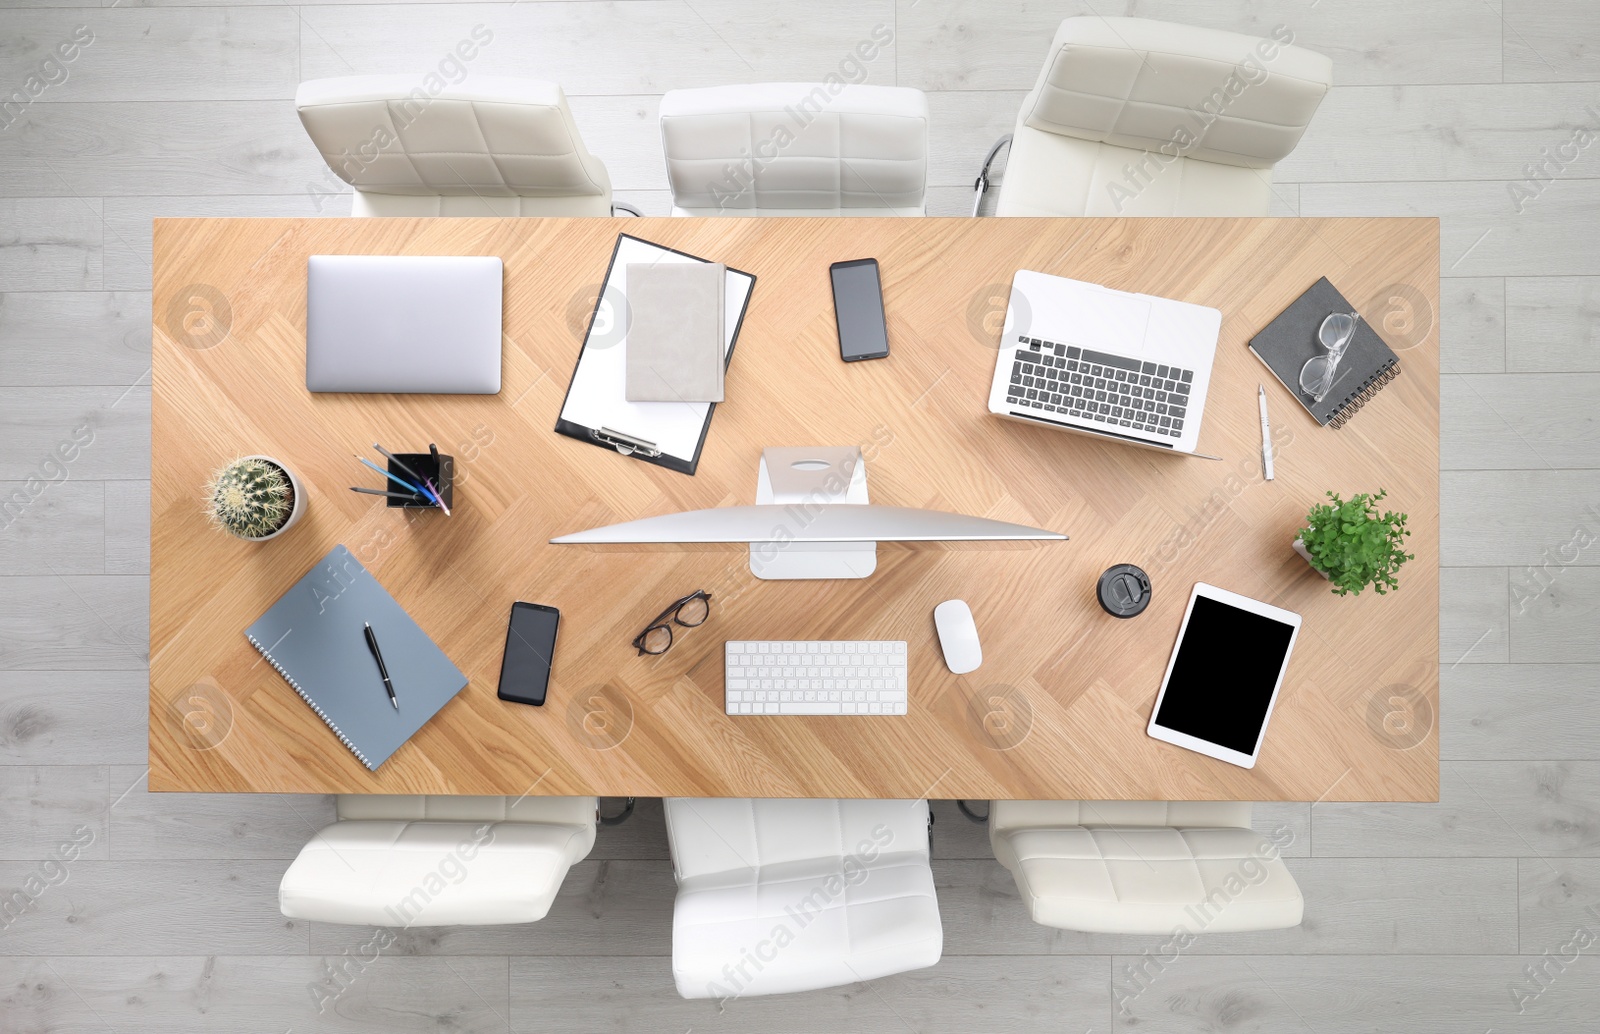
[
  {"x": 1200, "y": 93},
  {"x": 484, "y": 137},
  {"x": 1007, "y": 816},
  {"x": 796, "y": 149},
  {"x": 728, "y": 834}
]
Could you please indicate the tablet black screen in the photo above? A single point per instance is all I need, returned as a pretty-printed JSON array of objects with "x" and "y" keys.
[{"x": 1222, "y": 682}]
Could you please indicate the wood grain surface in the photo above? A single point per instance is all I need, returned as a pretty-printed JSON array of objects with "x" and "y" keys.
[{"x": 1059, "y": 707}]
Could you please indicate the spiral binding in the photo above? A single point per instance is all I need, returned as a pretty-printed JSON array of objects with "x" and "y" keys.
[
  {"x": 1353, "y": 404},
  {"x": 311, "y": 703}
]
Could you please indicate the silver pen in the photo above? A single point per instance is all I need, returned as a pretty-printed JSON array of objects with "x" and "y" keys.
[{"x": 1266, "y": 432}]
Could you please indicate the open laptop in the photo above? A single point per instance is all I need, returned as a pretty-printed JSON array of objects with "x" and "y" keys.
[
  {"x": 1125, "y": 367},
  {"x": 389, "y": 323}
]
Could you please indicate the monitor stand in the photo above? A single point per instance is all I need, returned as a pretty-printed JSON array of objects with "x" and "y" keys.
[{"x": 801, "y": 480}]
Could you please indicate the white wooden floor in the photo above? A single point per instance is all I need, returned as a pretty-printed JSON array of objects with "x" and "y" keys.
[{"x": 1422, "y": 918}]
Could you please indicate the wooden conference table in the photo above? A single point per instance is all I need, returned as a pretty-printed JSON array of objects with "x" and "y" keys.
[{"x": 1058, "y": 708}]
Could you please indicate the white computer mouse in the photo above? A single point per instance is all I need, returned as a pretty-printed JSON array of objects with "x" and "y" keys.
[{"x": 958, "y": 636}]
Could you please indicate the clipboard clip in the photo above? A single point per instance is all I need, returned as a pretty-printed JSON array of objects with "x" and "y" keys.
[{"x": 627, "y": 445}]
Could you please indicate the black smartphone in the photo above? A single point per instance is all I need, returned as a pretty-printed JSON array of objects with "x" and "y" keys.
[
  {"x": 858, "y": 310},
  {"x": 530, "y": 648}
]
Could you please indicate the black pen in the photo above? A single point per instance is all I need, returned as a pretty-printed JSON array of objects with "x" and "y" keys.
[
  {"x": 372, "y": 644},
  {"x": 389, "y": 455}
]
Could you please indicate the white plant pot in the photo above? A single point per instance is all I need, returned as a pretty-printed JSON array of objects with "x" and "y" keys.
[
  {"x": 299, "y": 499},
  {"x": 1305, "y": 554}
]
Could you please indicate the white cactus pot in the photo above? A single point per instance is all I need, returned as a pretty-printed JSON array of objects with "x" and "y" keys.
[{"x": 299, "y": 498}]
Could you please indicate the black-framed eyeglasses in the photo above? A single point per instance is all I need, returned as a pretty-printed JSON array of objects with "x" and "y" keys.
[{"x": 689, "y": 612}]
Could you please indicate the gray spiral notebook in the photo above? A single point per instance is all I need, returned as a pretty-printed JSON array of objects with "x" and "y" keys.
[
  {"x": 1288, "y": 341},
  {"x": 314, "y": 636}
]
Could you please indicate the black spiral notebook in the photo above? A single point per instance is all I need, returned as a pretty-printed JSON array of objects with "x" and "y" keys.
[{"x": 1288, "y": 341}]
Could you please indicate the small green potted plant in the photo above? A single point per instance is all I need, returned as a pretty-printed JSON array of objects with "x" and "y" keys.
[
  {"x": 255, "y": 498},
  {"x": 1352, "y": 545}
]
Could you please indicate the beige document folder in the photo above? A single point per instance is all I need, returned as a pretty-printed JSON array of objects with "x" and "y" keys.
[{"x": 674, "y": 333}]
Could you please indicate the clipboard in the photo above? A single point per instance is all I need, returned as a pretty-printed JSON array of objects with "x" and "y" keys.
[{"x": 594, "y": 409}]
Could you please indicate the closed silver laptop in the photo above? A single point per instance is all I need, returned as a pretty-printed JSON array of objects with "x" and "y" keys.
[{"x": 411, "y": 324}]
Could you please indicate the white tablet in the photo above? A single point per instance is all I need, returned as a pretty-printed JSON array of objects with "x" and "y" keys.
[{"x": 1224, "y": 675}]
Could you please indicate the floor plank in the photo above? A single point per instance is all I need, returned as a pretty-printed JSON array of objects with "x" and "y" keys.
[
  {"x": 1474, "y": 621},
  {"x": 963, "y": 125},
  {"x": 1547, "y": 519},
  {"x": 181, "y": 826},
  {"x": 52, "y": 812},
  {"x": 1557, "y": 624},
  {"x": 1547, "y": 40},
  {"x": 643, "y": 835},
  {"x": 60, "y": 338},
  {"x": 966, "y": 995},
  {"x": 73, "y": 717},
  {"x": 717, "y": 42},
  {"x": 129, "y": 228},
  {"x": 198, "y": 53},
  {"x": 204, "y": 994},
  {"x": 968, "y": 45},
  {"x": 60, "y": 528},
  {"x": 1351, "y": 994},
  {"x": 624, "y": 132},
  {"x": 127, "y": 527},
  {"x": 1520, "y": 712},
  {"x": 1553, "y": 324},
  {"x": 1472, "y": 333},
  {"x": 74, "y": 622},
  {"x": 1555, "y": 900},
  {"x": 191, "y": 147},
  {"x": 197, "y": 908},
  {"x": 1486, "y": 809},
  {"x": 1481, "y": 231},
  {"x": 52, "y": 244},
  {"x": 1455, "y": 132},
  {"x": 92, "y": 432},
  {"x": 1512, "y": 421}
]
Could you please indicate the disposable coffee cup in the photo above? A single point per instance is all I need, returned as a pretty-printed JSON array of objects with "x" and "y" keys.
[{"x": 1124, "y": 591}]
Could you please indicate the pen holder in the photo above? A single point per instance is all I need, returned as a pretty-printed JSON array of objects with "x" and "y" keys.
[{"x": 438, "y": 469}]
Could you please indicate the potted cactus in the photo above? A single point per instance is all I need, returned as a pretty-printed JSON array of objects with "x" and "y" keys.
[
  {"x": 255, "y": 498},
  {"x": 1352, "y": 545}
]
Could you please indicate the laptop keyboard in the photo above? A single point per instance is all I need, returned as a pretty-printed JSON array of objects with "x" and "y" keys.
[{"x": 1096, "y": 386}]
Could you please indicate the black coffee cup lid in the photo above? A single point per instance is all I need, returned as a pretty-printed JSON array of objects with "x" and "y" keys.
[{"x": 1124, "y": 591}]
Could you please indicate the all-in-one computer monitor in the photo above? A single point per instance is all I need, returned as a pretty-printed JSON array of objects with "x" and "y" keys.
[{"x": 811, "y": 520}]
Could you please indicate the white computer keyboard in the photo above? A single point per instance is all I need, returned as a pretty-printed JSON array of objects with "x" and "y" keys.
[{"x": 815, "y": 677}]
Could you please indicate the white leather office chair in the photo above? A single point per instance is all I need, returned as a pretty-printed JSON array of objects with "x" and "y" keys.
[
  {"x": 489, "y": 146},
  {"x": 796, "y": 149},
  {"x": 1137, "y": 117},
  {"x": 1143, "y": 867},
  {"x": 409, "y": 860},
  {"x": 793, "y": 895}
]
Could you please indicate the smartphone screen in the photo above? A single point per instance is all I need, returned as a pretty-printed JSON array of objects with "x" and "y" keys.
[
  {"x": 858, "y": 310},
  {"x": 530, "y": 647}
]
